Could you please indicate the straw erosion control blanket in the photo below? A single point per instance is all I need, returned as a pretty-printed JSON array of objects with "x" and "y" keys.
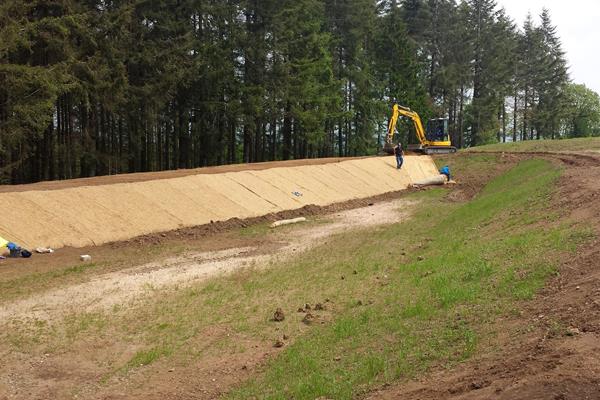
[{"x": 96, "y": 214}]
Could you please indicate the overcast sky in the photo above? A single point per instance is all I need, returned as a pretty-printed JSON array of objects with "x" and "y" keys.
[{"x": 578, "y": 24}]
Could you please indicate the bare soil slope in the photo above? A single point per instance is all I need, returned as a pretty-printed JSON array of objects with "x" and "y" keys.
[{"x": 93, "y": 214}]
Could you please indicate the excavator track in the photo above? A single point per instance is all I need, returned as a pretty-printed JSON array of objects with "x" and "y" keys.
[{"x": 438, "y": 150}]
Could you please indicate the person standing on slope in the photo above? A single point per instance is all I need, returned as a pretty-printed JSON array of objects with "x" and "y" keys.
[{"x": 399, "y": 153}]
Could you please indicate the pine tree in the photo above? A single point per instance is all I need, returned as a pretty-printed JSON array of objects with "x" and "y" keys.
[
  {"x": 552, "y": 80},
  {"x": 490, "y": 30},
  {"x": 100, "y": 87},
  {"x": 397, "y": 66},
  {"x": 582, "y": 116},
  {"x": 305, "y": 73}
]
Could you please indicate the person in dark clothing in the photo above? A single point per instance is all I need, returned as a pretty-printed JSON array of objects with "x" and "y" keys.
[{"x": 399, "y": 155}]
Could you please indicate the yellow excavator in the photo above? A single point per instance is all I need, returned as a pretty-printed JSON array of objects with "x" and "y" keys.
[{"x": 436, "y": 140}]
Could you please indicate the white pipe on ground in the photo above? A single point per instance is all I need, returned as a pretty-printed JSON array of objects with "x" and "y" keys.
[{"x": 288, "y": 222}]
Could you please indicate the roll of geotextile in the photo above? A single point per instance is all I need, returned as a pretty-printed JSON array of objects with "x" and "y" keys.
[{"x": 434, "y": 181}]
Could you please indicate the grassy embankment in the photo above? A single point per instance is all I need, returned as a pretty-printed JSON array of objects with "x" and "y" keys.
[
  {"x": 466, "y": 264},
  {"x": 401, "y": 298},
  {"x": 579, "y": 144}
]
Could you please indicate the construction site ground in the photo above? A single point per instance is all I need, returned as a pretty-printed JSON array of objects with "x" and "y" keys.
[{"x": 131, "y": 324}]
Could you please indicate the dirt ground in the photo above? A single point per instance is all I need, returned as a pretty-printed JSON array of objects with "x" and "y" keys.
[
  {"x": 57, "y": 375},
  {"x": 545, "y": 363},
  {"x": 559, "y": 357},
  {"x": 220, "y": 235},
  {"x": 124, "y": 286}
]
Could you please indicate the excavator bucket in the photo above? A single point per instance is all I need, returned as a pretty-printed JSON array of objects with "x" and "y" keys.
[{"x": 388, "y": 148}]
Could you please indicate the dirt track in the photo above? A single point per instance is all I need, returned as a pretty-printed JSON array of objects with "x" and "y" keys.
[{"x": 125, "y": 286}]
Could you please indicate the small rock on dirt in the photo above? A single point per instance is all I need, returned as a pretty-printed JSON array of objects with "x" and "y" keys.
[
  {"x": 319, "y": 307},
  {"x": 286, "y": 337},
  {"x": 301, "y": 310},
  {"x": 572, "y": 331},
  {"x": 279, "y": 315},
  {"x": 308, "y": 319},
  {"x": 279, "y": 343}
]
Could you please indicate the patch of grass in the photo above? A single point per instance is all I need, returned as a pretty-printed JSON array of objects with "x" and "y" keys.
[
  {"x": 23, "y": 285},
  {"x": 147, "y": 357},
  {"x": 578, "y": 144},
  {"x": 482, "y": 163},
  {"x": 257, "y": 230},
  {"x": 84, "y": 322},
  {"x": 470, "y": 269}
]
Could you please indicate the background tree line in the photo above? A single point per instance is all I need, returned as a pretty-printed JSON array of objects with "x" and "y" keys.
[{"x": 95, "y": 87}]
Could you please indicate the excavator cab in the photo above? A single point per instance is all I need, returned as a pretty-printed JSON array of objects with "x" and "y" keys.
[{"x": 437, "y": 130}]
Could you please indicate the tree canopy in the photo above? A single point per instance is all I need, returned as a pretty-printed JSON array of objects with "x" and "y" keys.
[{"x": 95, "y": 87}]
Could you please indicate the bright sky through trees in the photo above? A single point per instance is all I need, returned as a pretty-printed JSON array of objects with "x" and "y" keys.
[{"x": 578, "y": 25}]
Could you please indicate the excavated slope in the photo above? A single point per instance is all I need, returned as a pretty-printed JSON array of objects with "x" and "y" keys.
[{"x": 98, "y": 214}]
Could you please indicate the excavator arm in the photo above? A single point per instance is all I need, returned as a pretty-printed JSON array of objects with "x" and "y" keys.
[{"x": 399, "y": 111}]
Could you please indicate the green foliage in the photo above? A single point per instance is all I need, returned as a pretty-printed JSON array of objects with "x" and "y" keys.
[
  {"x": 578, "y": 144},
  {"x": 95, "y": 87},
  {"x": 583, "y": 111},
  {"x": 397, "y": 68}
]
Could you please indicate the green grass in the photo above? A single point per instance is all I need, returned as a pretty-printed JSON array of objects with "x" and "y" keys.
[
  {"x": 579, "y": 144},
  {"x": 478, "y": 162},
  {"x": 476, "y": 264},
  {"x": 147, "y": 357},
  {"x": 414, "y": 294},
  {"x": 253, "y": 231},
  {"x": 21, "y": 286}
]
